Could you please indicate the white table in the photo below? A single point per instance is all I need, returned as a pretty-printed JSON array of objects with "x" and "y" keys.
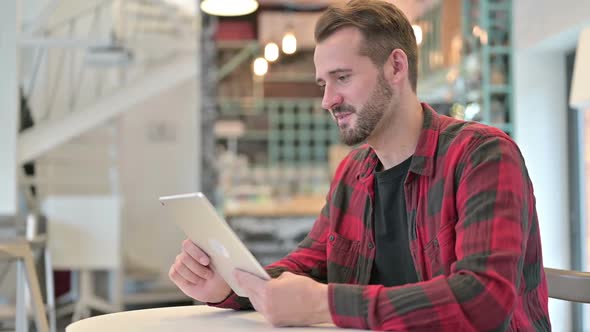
[{"x": 188, "y": 318}]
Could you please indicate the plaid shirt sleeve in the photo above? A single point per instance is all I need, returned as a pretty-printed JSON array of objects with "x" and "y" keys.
[
  {"x": 308, "y": 259},
  {"x": 493, "y": 198}
]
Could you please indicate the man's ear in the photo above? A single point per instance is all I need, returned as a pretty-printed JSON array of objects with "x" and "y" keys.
[{"x": 396, "y": 67}]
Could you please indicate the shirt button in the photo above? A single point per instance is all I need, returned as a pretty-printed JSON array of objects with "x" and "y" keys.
[
  {"x": 371, "y": 245},
  {"x": 331, "y": 237}
]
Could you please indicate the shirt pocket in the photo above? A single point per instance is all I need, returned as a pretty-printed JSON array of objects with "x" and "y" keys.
[
  {"x": 439, "y": 252},
  {"x": 342, "y": 258}
]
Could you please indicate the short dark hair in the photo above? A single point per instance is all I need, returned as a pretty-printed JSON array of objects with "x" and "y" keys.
[{"x": 384, "y": 28}]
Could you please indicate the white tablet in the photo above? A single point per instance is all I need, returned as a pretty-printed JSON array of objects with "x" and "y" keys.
[{"x": 199, "y": 220}]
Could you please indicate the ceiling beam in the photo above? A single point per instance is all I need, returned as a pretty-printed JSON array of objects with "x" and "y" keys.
[
  {"x": 66, "y": 11},
  {"x": 63, "y": 42}
]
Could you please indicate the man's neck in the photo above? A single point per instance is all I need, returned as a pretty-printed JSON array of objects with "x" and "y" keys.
[{"x": 396, "y": 138}]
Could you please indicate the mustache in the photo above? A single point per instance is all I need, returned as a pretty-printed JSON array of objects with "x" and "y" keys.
[{"x": 343, "y": 109}]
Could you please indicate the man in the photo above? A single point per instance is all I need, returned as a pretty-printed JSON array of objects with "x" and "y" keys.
[{"x": 430, "y": 226}]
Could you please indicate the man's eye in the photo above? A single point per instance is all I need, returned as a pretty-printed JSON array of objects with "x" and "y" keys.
[{"x": 343, "y": 78}]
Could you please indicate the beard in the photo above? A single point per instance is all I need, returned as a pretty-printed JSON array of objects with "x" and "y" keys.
[{"x": 369, "y": 115}]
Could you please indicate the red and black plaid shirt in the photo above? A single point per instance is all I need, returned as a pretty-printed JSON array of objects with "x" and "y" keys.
[{"x": 473, "y": 230}]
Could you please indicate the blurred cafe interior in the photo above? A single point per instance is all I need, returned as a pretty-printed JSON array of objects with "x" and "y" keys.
[{"x": 105, "y": 105}]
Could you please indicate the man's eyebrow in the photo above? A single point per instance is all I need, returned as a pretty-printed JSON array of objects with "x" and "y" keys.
[
  {"x": 334, "y": 72},
  {"x": 339, "y": 70}
]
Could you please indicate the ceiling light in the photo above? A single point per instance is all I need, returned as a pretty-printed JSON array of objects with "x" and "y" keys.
[
  {"x": 260, "y": 66},
  {"x": 289, "y": 43},
  {"x": 229, "y": 7},
  {"x": 271, "y": 52}
]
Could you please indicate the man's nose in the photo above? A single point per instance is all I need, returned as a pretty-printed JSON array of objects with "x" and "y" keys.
[{"x": 331, "y": 99}]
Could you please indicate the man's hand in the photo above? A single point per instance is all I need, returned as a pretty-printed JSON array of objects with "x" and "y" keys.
[
  {"x": 289, "y": 300},
  {"x": 193, "y": 275}
]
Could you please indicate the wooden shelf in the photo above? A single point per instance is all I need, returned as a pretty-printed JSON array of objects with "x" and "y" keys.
[{"x": 299, "y": 206}]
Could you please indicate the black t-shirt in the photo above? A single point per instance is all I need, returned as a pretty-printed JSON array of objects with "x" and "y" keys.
[{"x": 393, "y": 262}]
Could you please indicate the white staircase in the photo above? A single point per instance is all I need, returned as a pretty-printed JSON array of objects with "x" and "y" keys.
[
  {"x": 86, "y": 63},
  {"x": 91, "y": 61}
]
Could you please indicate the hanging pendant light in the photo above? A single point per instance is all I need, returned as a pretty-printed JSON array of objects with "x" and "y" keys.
[
  {"x": 229, "y": 7},
  {"x": 271, "y": 52},
  {"x": 289, "y": 43},
  {"x": 417, "y": 33},
  {"x": 260, "y": 66}
]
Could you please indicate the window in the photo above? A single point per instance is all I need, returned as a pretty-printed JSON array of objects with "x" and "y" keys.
[{"x": 579, "y": 189}]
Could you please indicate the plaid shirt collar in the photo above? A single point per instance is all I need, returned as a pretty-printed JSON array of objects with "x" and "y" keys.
[{"x": 423, "y": 159}]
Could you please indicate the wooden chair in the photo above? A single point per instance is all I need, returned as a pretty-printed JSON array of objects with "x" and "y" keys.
[
  {"x": 20, "y": 251},
  {"x": 568, "y": 285}
]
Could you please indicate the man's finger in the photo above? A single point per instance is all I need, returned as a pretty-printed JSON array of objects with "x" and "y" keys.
[
  {"x": 249, "y": 282},
  {"x": 197, "y": 253}
]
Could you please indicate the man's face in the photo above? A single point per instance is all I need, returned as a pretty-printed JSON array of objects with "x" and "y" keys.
[{"x": 355, "y": 90}]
